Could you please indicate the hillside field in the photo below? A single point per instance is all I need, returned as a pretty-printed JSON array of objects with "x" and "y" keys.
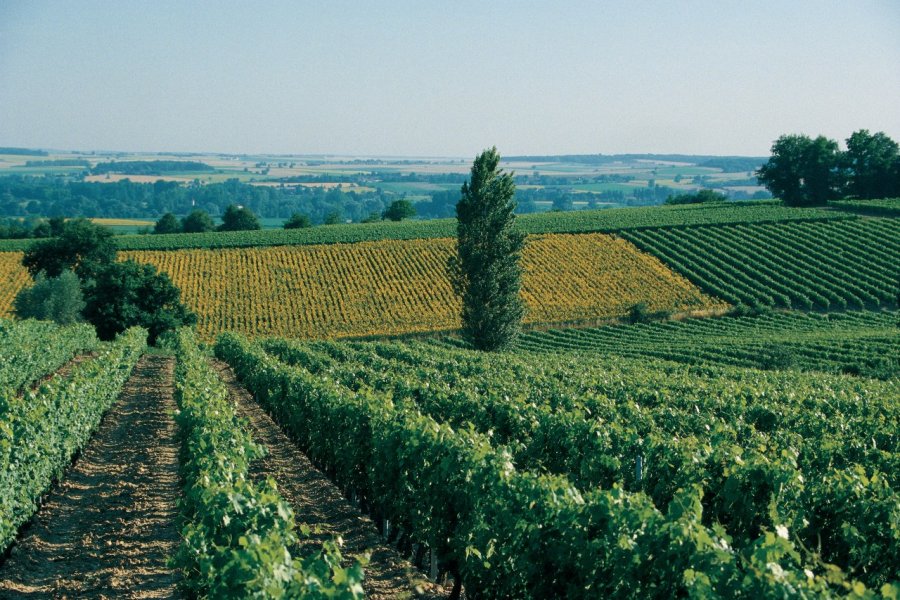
[
  {"x": 396, "y": 287},
  {"x": 823, "y": 265},
  {"x": 859, "y": 342},
  {"x": 698, "y": 259},
  {"x": 653, "y": 469},
  {"x": 750, "y": 454}
]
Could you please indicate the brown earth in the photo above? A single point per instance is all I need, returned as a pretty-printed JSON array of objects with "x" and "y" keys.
[
  {"x": 107, "y": 529},
  {"x": 319, "y": 503}
]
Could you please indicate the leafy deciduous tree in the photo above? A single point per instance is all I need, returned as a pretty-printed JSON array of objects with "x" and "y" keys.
[
  {"x": 698, "y": 197},
  {"x": 198, "y": 221},
  {"x": 802, "y": 171},
  {"x": 124, "y": 294},
  {"x": 81, "y": 246},
  {"x": 238, "y": 218},
  {"x": 168, "y": 223},
  {"x": 298, "y": 221},
  {"x": 332, "y": 218},
  {"x": 116, "y": 295},
  {"x": 871, "y": 165},
  {"x": 399, "y": 210}
]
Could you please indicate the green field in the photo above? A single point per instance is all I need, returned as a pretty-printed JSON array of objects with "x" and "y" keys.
[
  {"x": 853, "y": 342},
  {"x": 887, "y": 207},
  {"x": 833, "y": 264}
]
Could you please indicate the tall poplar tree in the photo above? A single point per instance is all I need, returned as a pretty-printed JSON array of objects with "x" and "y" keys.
[{"x": 485, "y": 271}]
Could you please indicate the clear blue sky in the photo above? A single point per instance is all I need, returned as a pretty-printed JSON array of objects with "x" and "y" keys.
[{"x": 445, "y": 78}]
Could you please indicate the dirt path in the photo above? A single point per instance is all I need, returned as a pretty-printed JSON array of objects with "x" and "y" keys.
[
  {"x": 317, "y": 502},
  {"x": 107, "y": 529}
]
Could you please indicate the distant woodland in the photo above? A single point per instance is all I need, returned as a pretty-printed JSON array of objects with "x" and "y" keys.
[{"x": 23, "y": 195}]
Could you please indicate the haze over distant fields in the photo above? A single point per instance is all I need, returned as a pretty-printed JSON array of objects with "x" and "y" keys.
[{"x": 446, "y": 79}]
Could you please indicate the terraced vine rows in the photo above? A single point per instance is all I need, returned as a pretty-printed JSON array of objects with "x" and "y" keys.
[
  {"x": 825, "y": 265},
  {"x": 507, "y": 470},
  {"x": 384, "y": 288},
  {"x": 861, "y": 342},
  {"x": 109, "y": 527},
  {"x": 318, "y": 503},
  {"x": 503, "y": 462}
]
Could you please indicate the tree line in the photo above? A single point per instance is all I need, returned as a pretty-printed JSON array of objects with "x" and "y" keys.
[
  {"x": 150, "y": 167},
  {"x": 54, "y": 196},
  {"x": 23, "y": 196},
  {"x": 803, "y": 171}
]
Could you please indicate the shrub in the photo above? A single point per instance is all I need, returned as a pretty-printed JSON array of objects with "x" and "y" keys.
[
  {"x": 57, "y": 299},
  {"x": 168, "y": 223},
  {"x": 298, "y": 221}
]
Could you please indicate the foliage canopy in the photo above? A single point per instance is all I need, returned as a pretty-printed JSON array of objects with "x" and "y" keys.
[
  {"x": 125, "y": 294},
  {"x": 399, "y": 210},
  {"x": 81, "y": 246},
  {"x": 298, "y": 221},
  {"x": 238, "y": 218},
  {"x": 57, "y": 299},
  {"x": 198, "y": 221},
  {"x": 485, "y": 270},
  {"x": 802, "y": 171},
  {"x": 168, "y": 223}
]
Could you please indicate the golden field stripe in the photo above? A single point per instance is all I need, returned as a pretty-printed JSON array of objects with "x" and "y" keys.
[{"x": 393, "y": 287}]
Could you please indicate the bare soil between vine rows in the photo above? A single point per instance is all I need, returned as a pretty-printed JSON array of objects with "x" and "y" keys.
[
  {"x": 107, "y": 529},
  {"x": 319, "y": 503}
]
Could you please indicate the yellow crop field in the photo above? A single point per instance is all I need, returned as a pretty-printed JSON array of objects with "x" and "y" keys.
[
  {"x": 594, "y": 276},
  {"x": 393, "y": 287},
  {"x": 13, "y": 277}
]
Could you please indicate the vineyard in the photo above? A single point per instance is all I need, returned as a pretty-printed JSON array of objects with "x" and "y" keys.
[
  {"x": 13, "y": 277},
  {"x": 765, "y": 255},
  {"x": 238, "y": 535},
  {"x": 821, "y": 265},
  {"x": 753, "y": 453},
  {"x": 30, "y": 350},
  {"x": 384, "y": 288},
  {"x": 41, "y": 429},
  {"x": 501, "y": 463},
  {"x": 886, "y": 207},
  {"x": 392, "y": 287},
  {"x": 852, "y": 342}
]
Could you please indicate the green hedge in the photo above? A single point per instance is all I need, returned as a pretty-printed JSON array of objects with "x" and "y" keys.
[{"x": 42, "y": 430}]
